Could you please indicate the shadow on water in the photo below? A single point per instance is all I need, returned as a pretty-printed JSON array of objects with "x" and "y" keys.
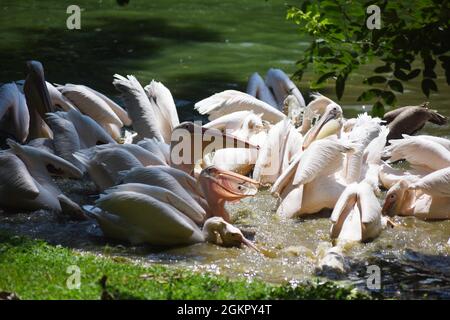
[{"x": 93, "y": 54}]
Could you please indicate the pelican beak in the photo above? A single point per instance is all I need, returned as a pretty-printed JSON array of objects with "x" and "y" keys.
[
  {"x": 388, "y": 207},
  {"x": 227, "y": 185},
  {"x": 232, "y": 236},
  {"x": 327, "y": 125},
  {"x": 250, "y": 244}
]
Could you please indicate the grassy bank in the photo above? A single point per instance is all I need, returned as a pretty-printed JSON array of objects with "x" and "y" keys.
[{"x": 33, "y": 269}]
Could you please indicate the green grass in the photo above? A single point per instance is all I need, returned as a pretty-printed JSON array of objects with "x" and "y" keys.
[{"x": 33, "y": 269}]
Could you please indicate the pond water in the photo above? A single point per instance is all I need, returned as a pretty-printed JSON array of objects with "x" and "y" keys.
[{"x": 197, "y": 48}]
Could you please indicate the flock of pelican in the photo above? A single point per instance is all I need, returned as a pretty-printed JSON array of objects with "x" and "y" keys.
[{"x": 309, "y": 155}]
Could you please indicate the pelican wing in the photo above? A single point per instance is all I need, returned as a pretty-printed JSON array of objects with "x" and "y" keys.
[
  {"x": 162, "y": 102},
  {"x": 230, "y": 101},
  {"x": 368, "y": 204},
  {"x": 419, "y": 152},
  {"x": 118, "y": 110},
  {"x": 323, "y": 157},
  {"x": 159, "y": 223},
  {"x": 12, "y": 100},
  {"x": 139, "y": 107},
  {"x": 58, "y": 99},
  {"x": 91, "y": 104},
  {"x": 156, "y": 176},
  {"x": 436, "y": 183},
  {"x": 15, "y": 178},
  {"x": 344, "y": 206},
  {"x": 66, "y": 141},
  {"x": 89, "y": 132},
  {"x": 163, "y": 195}
]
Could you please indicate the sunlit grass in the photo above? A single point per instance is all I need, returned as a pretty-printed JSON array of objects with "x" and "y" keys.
[{"x": 33, "y": 269}]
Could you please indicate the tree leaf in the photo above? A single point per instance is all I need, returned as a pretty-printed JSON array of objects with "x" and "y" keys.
[
  {"x": 340, "y": 86},
  {"x": 401, "y": 64},
  {"x": 378, "y": 109},
  {"x": 427, "y": 86},
  {"x": 383, "y": 69},
  {"x": 395, "y": 85},
  {"x": 413, "y": 74},
  {"x": 325, "y": 77},
  {"x": 375, "y": 79},
  {"x": 399, "y": 74},
  {"x": 389, "y": 97}
]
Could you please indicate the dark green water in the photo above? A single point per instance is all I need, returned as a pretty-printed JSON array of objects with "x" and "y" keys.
[{"x": 196, "y": 48}]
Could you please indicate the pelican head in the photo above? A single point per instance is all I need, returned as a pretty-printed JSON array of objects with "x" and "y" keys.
[
  {"x": 394, "y": 198},
  {"x": 330, "y": 123},
  {"x": 218, "y": 231},
  {"x": 293, "y": 109},
  {"x": 220, "y": 186}
]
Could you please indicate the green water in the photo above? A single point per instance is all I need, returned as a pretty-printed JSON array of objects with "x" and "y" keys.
[{"x": 197, "y": 48}]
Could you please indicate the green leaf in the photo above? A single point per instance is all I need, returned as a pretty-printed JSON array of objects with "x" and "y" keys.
[
  {"x": 427, "y": 86},
  {"x": 383, "y": 69},
  {"x": 378, "y": 109},
  {"x": 395, "y": 85},
  {"x": 340, "y": 86},
  {"x": 413, "y": 74},
  {"x": 325, "y": 77},
  {"x": 399, "y": 74},
  {"x": 400, "y": 64},
  {"x": 375, "y": 79},
  {"x": 370, "y": 94},
  {"x": 389, "y": 97}
]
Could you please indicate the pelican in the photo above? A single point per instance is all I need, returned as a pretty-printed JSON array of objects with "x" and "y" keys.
[
  {"x": 405, "y": 201},
  {"x": 13, "y": 102},
  {"x": 357, "y": 214},
  {"x": 323, "y": 158},
  {"x": 94, "y": 106},
  {"x": 330, "y": 123},
  {"x": 162, "y": 102},
  {"x": 270, "y": 158},
  {"x": 38, "y": 100},
  {"x": 419, "y": 152},
  {"x": 150, "y": 218},
  {"x": 58, "y": 99},
  {"x": 73, "y": 132},
  {"x": 411, "y": 119},
  {"x": 436, "y": 184},
  {"x": 230, "y": 101},
  {"x": 25, "y": 179},
  {"x": 281, "y": 86},
  {"x": 257, "y": 88}
]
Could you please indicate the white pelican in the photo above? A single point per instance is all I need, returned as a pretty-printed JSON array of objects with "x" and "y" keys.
[
  {"x": 436, "y": 184},
  {"x": 94, "y": 106},
  {"x": 357, "y": 214},
  {"x": 230, "y": 101},
  {"x": 150, "y": 218},
  {"x": 162, "y": 102},
  {"x": 300, "y": 189},
  {"x": 281, "y": 86},
  {"x": 405, "y": 201},
  {"x": 58, "y": 99},
  {"x": 13, "y": 102},
  {"x": 419, "y": 152},
  {"x": 25, "y": 179},
  {"x": 257, "y": 88},
  {"x": 38, "y": 100}
]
